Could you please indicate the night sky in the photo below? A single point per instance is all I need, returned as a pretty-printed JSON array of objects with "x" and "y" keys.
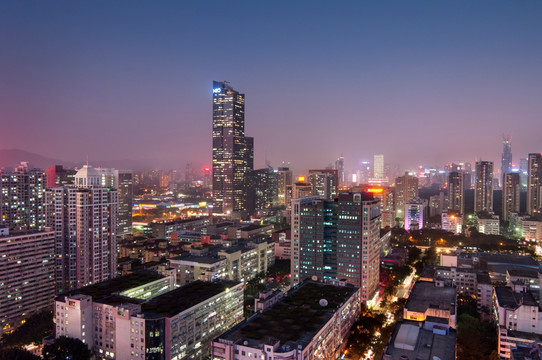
[{"x": 421, "y": 82}]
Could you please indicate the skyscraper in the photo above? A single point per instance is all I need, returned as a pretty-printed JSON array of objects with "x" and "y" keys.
[
  {"x": 84, "y": 218},
  {"x": 339, "y": 166},
  {"x": 456, "y": 191},
  {"x": 483, "y": 190},
  {"x": 124, "y": 185},
  {"x": 534, "y": 183},
  {"x": 233, "y": 153},
  {"x": 506, "y": 159},
  {"x": 378, "y": 167},
  {"x": 284, "y": 180},
  {"x": 337, "y": 239},
  {"x": 511, "y": 186},
  {"x": 22, "y": 199},
  {"x": 414, "y": 214}
]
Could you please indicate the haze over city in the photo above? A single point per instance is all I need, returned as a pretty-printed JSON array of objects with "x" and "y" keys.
[{"x": 420, "y": 82}]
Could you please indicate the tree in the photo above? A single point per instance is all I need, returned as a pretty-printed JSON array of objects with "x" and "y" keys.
[
  {"x": 35, "y": 328},
  {"x": 17, "y": 354},
  {"x": 65, "y": 348}
]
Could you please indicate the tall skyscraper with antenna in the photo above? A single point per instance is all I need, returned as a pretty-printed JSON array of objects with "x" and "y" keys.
[{"x": 506, "y": 159}]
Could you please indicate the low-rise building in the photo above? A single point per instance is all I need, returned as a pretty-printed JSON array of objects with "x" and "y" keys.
[
  {"x": 311, "y": 322},
  {"x": 143, "y": 316},
  {"x": 489, "y": 225},
  {"x": 426, "y": 299}
]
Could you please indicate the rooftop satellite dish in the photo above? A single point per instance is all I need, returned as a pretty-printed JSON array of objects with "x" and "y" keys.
[{"x": 323, "y": 302}]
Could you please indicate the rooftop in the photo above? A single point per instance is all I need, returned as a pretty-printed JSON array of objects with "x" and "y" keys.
[
  {"x": 508, "y": 298},
  {"x": 409, "y": 341},
  {"x": 180, "y": 299},
  {"x": 118, "y": 284},
  {"x": 426, "y": 295},
  {"x": 483, "y": 278},
  {"x": 296, "y": 318},
  {"x": 197, "y": 259},
  {"x": 524, "y": 272}
]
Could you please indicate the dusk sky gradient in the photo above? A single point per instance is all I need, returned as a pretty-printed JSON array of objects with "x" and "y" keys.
[{"x": 422, "y": 82}]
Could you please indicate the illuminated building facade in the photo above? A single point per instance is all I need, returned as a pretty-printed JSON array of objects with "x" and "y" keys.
[
  {"x": 84, "y": 218},
  {"x": 511, "y": 187},
  {"x": 124, "y": 185},
  {"x": 144, "y": 316},
  {"x": 414, "y": 214},
  {"x": 26, "y": 275},
  {"x": 325, "y": 183},
  {"x": 534, "y": 183},
  {"x": 506, "y": 159},
  {"x": 337, "y": 239},
  {"x": 233, "y": 153},
  {"x": 22, "y": 199},
  {"x": 483, "y": 190},
  {"x": 284, "y": 180},
  {"x": 456, "y": 192},
  {"x": 406, "y": 189}
]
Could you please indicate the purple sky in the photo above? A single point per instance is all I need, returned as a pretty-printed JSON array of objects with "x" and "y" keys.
[{"x": 421, "y": 82}]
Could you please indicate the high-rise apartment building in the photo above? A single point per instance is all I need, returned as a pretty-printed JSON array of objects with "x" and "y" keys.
[
  {"x": 506, "y": 158},
  {"x": 456, "y": 191},
  {"x": 233, "y": 152},
  {"x": 57, "y": 175},
  {"x": 406, "y": 189},
  {"x": 84, "y": 218},
  {"x": 337, "y": 239},
  {"x": 534, "y": 183},
  {"x": 483, "y": 189},
  {"x": 511, "y": 187},
  {"x": 22, "y": 199},
  {"x": 27, "y": 263},
  {"x": 325, "y": 183}
]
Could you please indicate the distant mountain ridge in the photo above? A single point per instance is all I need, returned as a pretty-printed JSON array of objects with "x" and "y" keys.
[{"x": 13, "y": 157}]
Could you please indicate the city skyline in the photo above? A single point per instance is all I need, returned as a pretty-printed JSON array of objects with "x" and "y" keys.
[{"x": 452, "y": 79}]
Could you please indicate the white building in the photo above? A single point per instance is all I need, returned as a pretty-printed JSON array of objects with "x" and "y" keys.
[
  {"x": 143, "y": 316},
  {"x": 489, "y": 226},
  {"x": 452, "y": 222},
  {"x": 84, "y": 217}
]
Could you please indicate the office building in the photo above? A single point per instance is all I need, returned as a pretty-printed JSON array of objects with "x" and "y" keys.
[
  {"x": 143, "y": 316},
  {"x": 27, "y": 263},
  {"x": 124, "y": 182},
  {"x": 284, "y": 180},
  {"x": 337, "y": 239},
  {"x": 339, "y": 166},
  {"x": 483, "y": 190},
  {"x": 511, "y": 187},
  {"x": 534, "y": 183},
  {"x": 456, "y": 192},
  {"x": 84, "y": 218},
  {"x": 233, "y": 152},
  {"x": 414, "y": 214},
  {"x": 406, "y": 189},
  {"x": 451, "y": 221},
  {"x": 262, "y": 189},
  {"x": 312, "y": 322},
  {"x": 378, "y": 167},
  {"x": 22, "y": 199},
  {"x": 506, "y": 158},
  {"x": 430, "y": 299},
  {"x": 325, "y": 183}
]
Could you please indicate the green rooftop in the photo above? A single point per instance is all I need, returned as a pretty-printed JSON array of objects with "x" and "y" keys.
[
  {"x": 180, "y": 299},
  {"x": 297, "y": 315},
  {"x": 113, "y": 286}
]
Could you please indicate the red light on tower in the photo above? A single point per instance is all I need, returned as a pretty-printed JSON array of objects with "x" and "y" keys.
[{"x": 207, "y": 169}]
